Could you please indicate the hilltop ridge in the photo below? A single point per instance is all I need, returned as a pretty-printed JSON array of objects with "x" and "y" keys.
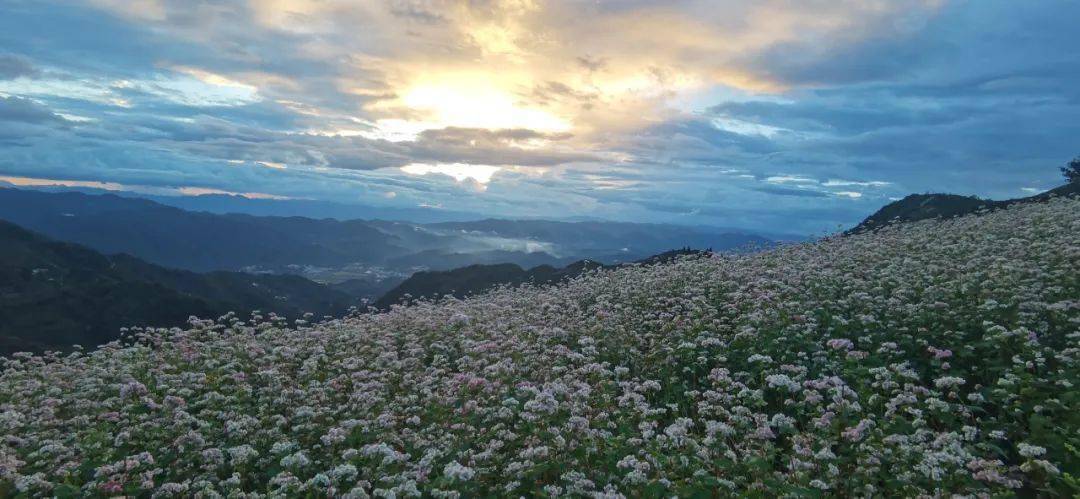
[
  {"x": 915, "y": 207},
  {"x": 475, "y": 279}
]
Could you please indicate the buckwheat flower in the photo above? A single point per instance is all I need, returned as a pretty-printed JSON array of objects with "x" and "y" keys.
[
  {"x": 949, "y": 382},
  {"x": 535, "y": 452},
  {"x": 553, "y": 490},
  {"x": 389, "y": 455},
  {"x": 633, "y": 463},
  {"x": 282, "y": 447},
  {"x": 320, "y": 481},
  {"x": 233, "y": 481},
  {"x": 242, "y": 453},
  {"x": 1028, "y": 450},
  {"x": 174, "y": 402},
  {"x": 888, "y": 347},
  {"x": 756, "y": 358},
  {"x": 714, "y": 427},
  {"x": 26, "y": 483},
  {"x": 711, "y": 342},
  {"x": 858, "y": 432},
  {"x": 1040, "y": 464},
  {"x": 458, "y": 473},
  {"x": 577, "y": 423},
  {"x": 824, "y": 454},
  {"x": 782, "y": 381},
  {"x": 763, "y": 432},
  {"x": 334, "y": 436},
  {"x": 679, "y": 430},
  {"x": 284, "y": 481},
  {"x": 132, "y": 389},
  {"x": 213, "y": 457},
  {"x": 459, "y": 319},
  {"x": 840, "y": 344},
  {"x": 343, "y": 472},
  {"x": 295, "y": 460},
  {"x": 170, "y": 489},
  {"x": 782, "y": 422}
]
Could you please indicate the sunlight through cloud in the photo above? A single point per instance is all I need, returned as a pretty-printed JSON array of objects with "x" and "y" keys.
[{"x": 459, "y": 171}]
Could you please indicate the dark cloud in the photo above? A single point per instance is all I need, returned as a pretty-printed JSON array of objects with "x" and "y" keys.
[
  {"x": 13, "y": 66},
  {"x": 416, "y": 11},
  {"x": 553, "y": 91},
  {"x": 22, "y": 110},
  {"x": 592, "y": 63},
  {"x": 974, "y": 97},
  {"x": 458, "y": 135},
  {"x": 851, "y": 115},
  {"x": 786, "y": 191}
]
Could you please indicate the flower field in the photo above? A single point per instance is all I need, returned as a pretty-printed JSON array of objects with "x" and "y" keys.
[{"x": 938, "y": 358}]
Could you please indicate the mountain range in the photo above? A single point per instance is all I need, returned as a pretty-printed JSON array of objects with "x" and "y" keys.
[
  {"x": 77, "y": 267},
  {"x": 57, "y": 294},
  {"x": 377, "y": 254},
  {"x": 475, "y": 279},
  {"x": 103, "y": 262}
]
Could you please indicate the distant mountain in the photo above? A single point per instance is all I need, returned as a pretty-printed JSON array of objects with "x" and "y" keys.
[
  {"x": 917, "y": 207},
  {"x": 442, "y": 260},
  {"x": 373, "y": 254},
  {"x": 227, "y": 203},
  {"x": 624, "y": 241},
  {"x": 475, "y": 279},
  {"x": 197, "y": 241},
  {"x": 54, "y": 294}
]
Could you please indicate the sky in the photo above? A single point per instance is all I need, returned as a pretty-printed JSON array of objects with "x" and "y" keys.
[{"x": 795, "y": 116}]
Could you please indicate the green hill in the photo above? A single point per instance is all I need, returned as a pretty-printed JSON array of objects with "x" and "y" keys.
[
  {"x": 937, "y": 358},
  {"x": 476, "y": 279},
  {"x": 924, "y": 206},
  {"x": 54, "y": 295}
]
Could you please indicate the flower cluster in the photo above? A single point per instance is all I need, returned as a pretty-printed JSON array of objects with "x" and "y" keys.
[{"x": 931, "y": 358}]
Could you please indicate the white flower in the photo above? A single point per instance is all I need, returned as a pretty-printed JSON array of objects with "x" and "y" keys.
[
  {"x": 949, "y": 382},
  {"x": 782, "y": 380},
  {"x": 242, "y": 453},
  {"x": 840, "y": 344},
  {"x": 458, "y": 473},
  {"x": 1028, "y": 450}
]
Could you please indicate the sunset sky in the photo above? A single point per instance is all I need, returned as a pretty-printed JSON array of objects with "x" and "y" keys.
[{"x": 780, "y": 115}]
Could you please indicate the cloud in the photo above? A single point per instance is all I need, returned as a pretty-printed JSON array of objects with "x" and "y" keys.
[
  {"x": 785, "y": 191},
  {"x": 764, "y": 112},
  {"x": 22, "y": 110},
  {"x": 12, "y": 66}
]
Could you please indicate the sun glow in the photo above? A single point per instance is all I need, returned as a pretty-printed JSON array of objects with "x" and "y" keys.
[
  {"x": 472, "y": 100},
  {"x": 459, "y": 171}
]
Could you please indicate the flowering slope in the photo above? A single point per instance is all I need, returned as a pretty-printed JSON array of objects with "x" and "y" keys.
[{"x": 939, "y": 356}]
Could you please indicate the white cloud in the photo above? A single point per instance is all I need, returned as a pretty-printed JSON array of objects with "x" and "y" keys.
[
  {"x": 845, "y": 183},
  {"x": 459, "y": 171},
  {"x": 789, "y": 179}
]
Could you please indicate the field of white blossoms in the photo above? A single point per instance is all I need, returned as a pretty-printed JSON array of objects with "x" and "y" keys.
[{"x": 936, "y": 358}]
